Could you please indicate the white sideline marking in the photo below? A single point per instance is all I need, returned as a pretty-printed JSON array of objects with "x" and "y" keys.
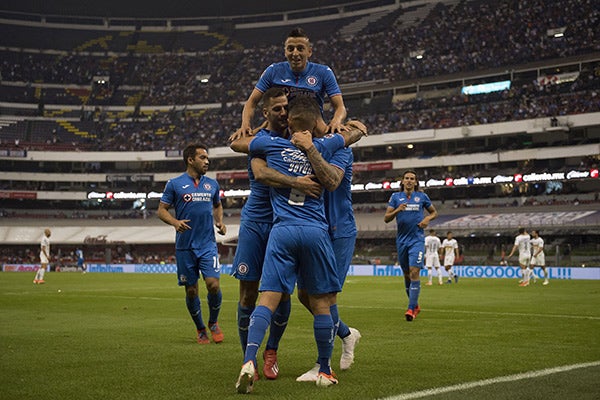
[{"x": 491, "y": 381}]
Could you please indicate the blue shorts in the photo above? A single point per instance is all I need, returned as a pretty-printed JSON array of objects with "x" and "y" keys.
[
  {"x": 190, "y": 263},
  {"x": 411, "y": 254},
  {"x": 302, "y": 253},
  {"x": 80, "y": 262},
  {"x": 343, "y": 249},
  {"x": 250, "y": 253}
]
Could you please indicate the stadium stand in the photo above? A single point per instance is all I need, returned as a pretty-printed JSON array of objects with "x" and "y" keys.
[{"x": 106, "y": 105}]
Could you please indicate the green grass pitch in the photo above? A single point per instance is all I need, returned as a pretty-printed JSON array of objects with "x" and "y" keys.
[{"x": 129, "y": 336}]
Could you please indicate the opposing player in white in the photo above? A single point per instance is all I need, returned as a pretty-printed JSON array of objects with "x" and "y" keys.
[
  {"x": 522, "y": 243},
  {"x": 450, "y": 248},
  {"x": 432, "y": 256},
  {"x": 538, "y": 258},
  {"x": 44, "y": 257}
]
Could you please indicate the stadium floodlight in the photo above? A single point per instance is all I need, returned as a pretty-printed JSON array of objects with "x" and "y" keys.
[
  {"x": 556, "y": 32},
  {"x": 418, "y": 54}
]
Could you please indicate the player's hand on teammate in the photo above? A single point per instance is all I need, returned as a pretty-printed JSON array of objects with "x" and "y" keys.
[
  {"x": 241, "y": 132},
  {"x": 333, "y": 127},
  {"x": 308, "y": 185},
  {"x": 354, "y": 124},
  {"x": 181, "y": 225},
  {"x": 302, "y": 140},
  {"x": 221, "y": 228}
]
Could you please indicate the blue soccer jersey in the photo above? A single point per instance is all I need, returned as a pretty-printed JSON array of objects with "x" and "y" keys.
[
  {"x": 338, "y": 204},
  {"x": 194, "y": 202},
  {"x": 291, "y": 206},
  {"x": 316, "y": 81},
  {"x": 407, "y": 220},
  {"x": 299, "y": 246}
]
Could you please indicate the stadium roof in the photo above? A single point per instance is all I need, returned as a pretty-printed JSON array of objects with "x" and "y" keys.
[{"x": 170, "y": 9}]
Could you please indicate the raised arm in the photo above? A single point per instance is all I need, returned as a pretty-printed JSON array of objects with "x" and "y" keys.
[{"x": 329, "y": 175}]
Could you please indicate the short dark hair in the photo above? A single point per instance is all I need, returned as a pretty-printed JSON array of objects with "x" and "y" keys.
[
  {"x": 190, "y": 151},
  {"x": 305, "y": 111},
  {"x": 298, "y": 33},
  {"x": 272, "y": 93},
  {"x": 521, "y": 230}
]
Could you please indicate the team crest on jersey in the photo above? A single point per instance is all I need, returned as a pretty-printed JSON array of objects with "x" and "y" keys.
[
  {"x": 187, "y": 197},
  {"x": 417, "y": 199},
  {"x": 311, "y": 80},
  {"x": 207, "y": 186},
  {"x": 242, "y": 269},
  {"x": 328, "y": 136}
]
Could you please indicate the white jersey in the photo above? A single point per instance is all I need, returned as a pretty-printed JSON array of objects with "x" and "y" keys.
[
  {"x": 44, "y": 244},
  {"x": 537, "y": 244},
  {"x": 522, "y": 243},
  {"x": 449, "y": 246},
  {"x": 432, "y": 247}
]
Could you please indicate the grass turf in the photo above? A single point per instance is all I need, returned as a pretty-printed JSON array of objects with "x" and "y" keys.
[{"x": 129, "y": 336}]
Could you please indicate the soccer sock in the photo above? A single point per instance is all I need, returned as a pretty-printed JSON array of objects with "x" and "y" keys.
[
  {"x": 430, "y": 274},
  {"x": 323, "y": 328},
  {"x": 243, "y": 320},
  {"x": 526, "y": 275},
  {"x": 545, "y": 273},
  {"x": 532, "y": 273},
  {"x": 37, "y": 274},
  {"x": 278, "y": 324},
  {"x": 450, "y": 273},
  {"x": 214, "y": 306},
  {"x": 439, "y": 275},
  {"x": 407, "y": 286},
  {"x": 42, "y": 272},
  {"x": 415, "y": 290},
  {"x": 259, "y": 322},
  {"x": 193, "y": 306}
]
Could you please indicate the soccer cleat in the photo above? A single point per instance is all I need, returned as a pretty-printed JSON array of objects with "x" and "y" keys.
[
  {"x": 41, "y": 281},
  {"x": 428, "y": 284},
  {"x": 202, "y": 336},
  {"x": 348, "y": 345},
  {"x": 410, "y": 315},
  {"x": 417, "y": 311},
  {"x": 324, "y": 380},
  {"x": 545, "y": 282},
  {"x": 523, "y": 284},
  {"x": 248, "y": 376},
  {"x": 440, "y": 283},
  {"x": 36, "y": 281},
  {"x": 216, "y": 333},
  {"x": 311, "y": 375},
  {"x": 271, "y": 366},
  {"x": 455, "y": 278},
  {"x": 449, "y": 280}
]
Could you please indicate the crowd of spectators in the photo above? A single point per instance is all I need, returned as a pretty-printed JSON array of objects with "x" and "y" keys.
[{"x": 456, "y": 38}]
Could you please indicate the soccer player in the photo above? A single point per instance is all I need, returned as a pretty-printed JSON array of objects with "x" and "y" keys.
[
  {"x": 522, "y": 243},
  {"x": 299, "y": 77},
  {"x": 450, "y": 249},
  {"x": 255, "y": 226},
  {"x": 407, "y": 208},
  {"x": 336, "y": 177},
  {"x": 44, "y": 257},
  {"x": 195, "y": 198},
  {"x": 537, "y": 255},
  {"x": 299, "y": 246},
  {"x": 432, "y": 257},
  {"x": 80, "y": 260}
]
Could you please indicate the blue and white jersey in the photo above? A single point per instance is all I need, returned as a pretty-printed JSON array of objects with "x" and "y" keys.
[
  {"x": 407, "y": 220},
  {"x": 79, "y": 254},
  {"x": 194, "y": 202},
  {"x": 258, "y": 207},
  {"x": 338, "y": 204},
  {"x": 316, "y": 81},
  {"x": 290, "y": 206}
]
